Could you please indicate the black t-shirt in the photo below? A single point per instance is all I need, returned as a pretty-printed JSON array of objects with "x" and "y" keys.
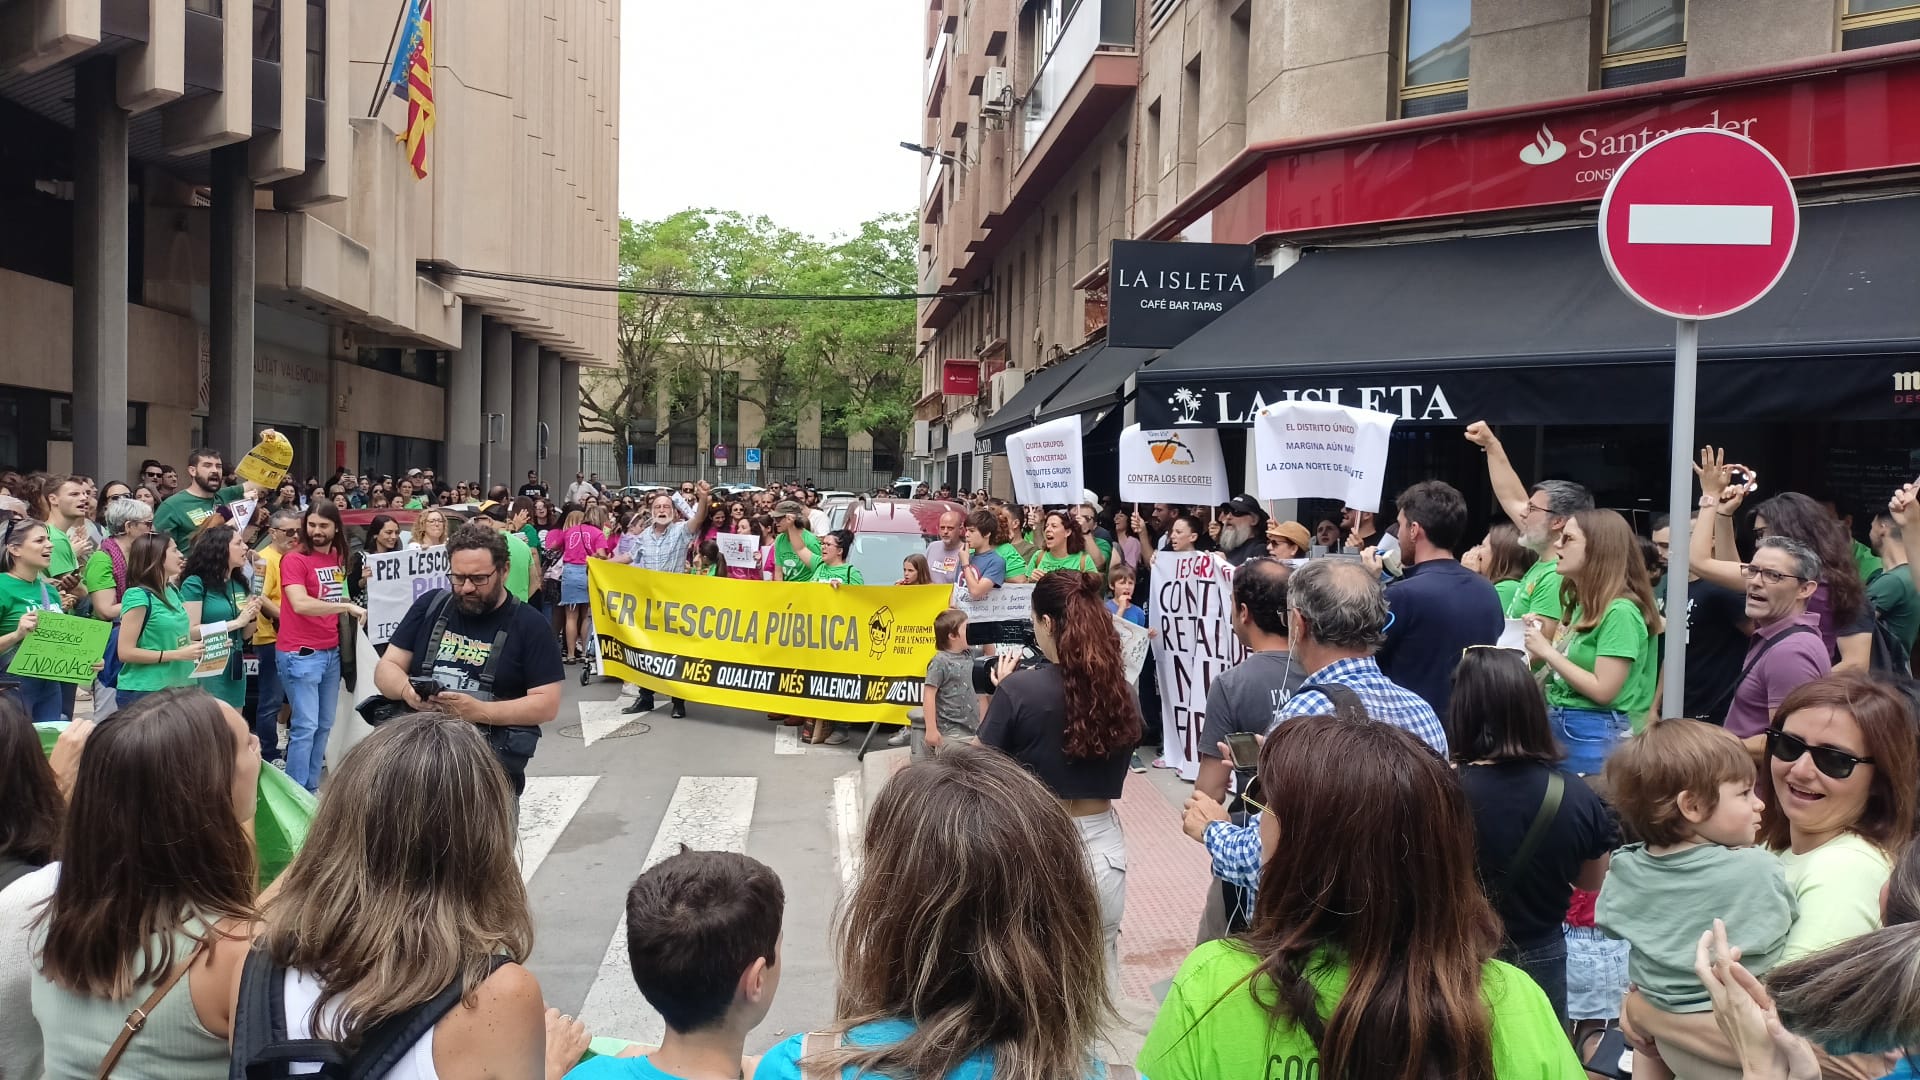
[
  {"x": 1504, "y": 799},
  {"x": 1027, "y": 719},
  {"x": 533, "y": 491},
  {"x": 531, "y": 657},
  {"x": 1716, "y": 647}
]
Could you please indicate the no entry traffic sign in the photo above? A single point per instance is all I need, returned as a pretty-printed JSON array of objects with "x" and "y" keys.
[{"x": 1699, "y": 223}]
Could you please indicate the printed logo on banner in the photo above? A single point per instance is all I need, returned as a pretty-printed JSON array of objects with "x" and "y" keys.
[
  {"x": 1192, "y": 608},
  {"x": 1543, "y": 150},
  {"x": 1172, "y": 466}
]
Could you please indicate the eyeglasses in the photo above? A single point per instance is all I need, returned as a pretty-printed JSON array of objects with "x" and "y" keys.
[
  {"x": 1766, "y": 574},
  {"x": 473, "y": 581},
  {"x": 1533, "y": 508},
  {"x": 1258, "y": 808},
  {"x": 1837, "y": 764}
]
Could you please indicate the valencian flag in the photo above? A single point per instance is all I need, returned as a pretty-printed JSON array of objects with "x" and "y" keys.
[{"x": 411, "y": 77}]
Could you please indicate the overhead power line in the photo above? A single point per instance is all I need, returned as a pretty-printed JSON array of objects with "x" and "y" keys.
[{"x": 582, "y": 285}]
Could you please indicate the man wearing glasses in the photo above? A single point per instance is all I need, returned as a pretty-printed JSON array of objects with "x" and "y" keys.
[
  {"x": 1787, "y": 651},
  {"x": 1541, "y": 514},
  {"x": 493, "y": 660}
]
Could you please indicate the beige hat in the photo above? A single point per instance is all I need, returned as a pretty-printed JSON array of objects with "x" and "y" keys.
[{"x": 1290, "y": 530}]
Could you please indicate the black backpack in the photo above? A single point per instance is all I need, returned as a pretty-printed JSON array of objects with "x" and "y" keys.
[{"x": 262, "y": 1050}]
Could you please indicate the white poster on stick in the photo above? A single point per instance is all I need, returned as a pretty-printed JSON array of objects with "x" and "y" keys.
[
  {"x": 739, "y": 550},
  {"x": 1192, "y": 610},
  {"x": 1172, "y": 466},
  {"x": 398, "y": 579},
  {"x": 1310, "y": 450},
  {"x": 1046, "y": 463}
]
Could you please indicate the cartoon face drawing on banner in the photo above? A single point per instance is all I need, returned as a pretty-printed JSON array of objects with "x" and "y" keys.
[{"x": 879, "y": 632}]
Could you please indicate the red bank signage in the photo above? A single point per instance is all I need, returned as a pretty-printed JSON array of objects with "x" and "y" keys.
[
  {"x": 1820, "y": 124},
  {"x": 960, "y": 378}
]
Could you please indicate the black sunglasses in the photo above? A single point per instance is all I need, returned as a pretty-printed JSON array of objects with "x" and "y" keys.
[{"x": 1837, "y": 764}]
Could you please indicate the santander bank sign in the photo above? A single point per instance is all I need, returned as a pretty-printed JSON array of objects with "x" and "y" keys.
[{"x": 1823, "y": 122}]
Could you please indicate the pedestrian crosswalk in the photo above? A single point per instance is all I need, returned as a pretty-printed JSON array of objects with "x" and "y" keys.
[{"x": 545, "y": 808}]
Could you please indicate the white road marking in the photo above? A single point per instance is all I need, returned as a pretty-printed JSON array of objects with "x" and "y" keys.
[
  {"x": 599, "y": 719},
  {"x": 711, "y": 813},
  {"x": 846, "y": 829},
  {"x": 545, "y": 808},
  {"x": 1673, "y": 223},
  {"x": 786, "y": 740}
]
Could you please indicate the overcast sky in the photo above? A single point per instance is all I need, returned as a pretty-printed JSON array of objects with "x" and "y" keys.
[{"x": 789, "y": 108}]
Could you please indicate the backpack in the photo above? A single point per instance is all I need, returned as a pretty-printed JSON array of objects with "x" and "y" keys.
[
  {"x": 1346, "y": 704},
  {"x": 1889, "y": 655},
  {"x": 262, "y": 1049}
]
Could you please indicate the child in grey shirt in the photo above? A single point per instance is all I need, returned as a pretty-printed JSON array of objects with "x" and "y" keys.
[{"x": 952, "y": 710}]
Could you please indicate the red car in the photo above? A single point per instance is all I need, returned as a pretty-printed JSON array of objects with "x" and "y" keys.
[{"x": 886, "y": 531}]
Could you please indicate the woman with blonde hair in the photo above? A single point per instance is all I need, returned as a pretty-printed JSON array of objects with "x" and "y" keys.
[
  {"x": 153, "y": 912},
  {"x": 1602, "y": 665},
  {"x": 955, "y": 958},
  {"x": 393, "y": 900},
  {"x": 429, "y": 529}
]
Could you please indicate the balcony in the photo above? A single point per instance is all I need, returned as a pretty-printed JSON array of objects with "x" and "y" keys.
[
  {"x": 1087, "y": 78},
  {"x": 1093, "y": 27}
]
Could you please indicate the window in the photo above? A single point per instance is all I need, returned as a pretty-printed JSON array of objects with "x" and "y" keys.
[
  {"x": 266, "y": 30},
  {"x": 421, "y": 365},
  {"x": 1435, "y": 76},
  {"x": 206, "y": 7},
  {"x": 1646, "y": 42},
  {"x": 725, "y": 408},
  {"x": 317, "y": 50},
  {"x": 833, "y": 439},
  {"x": 1152, "y": 141},
  {"x": 1158, "y": 10},
  {"x": 683, "y": 426},
  {"x": 783, "y": 452},
  {"x": 644, "y": 436},
  {"x": 60, "y": 422},
  {"x": 886, "y": 452},
  {"x": 1879, "y": 22},
  {"x": 1189, "y": 133}
]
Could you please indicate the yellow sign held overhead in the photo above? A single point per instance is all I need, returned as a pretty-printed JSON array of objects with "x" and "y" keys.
[{"x": 267, "y": 463}]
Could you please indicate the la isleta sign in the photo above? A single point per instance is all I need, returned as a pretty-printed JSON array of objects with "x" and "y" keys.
[{"x": 1160, "y": 293}]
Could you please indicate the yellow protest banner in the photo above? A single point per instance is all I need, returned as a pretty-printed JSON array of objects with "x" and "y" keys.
[
  {"x": 267, "y": 463},
  {"x": 858, "y": 652}
]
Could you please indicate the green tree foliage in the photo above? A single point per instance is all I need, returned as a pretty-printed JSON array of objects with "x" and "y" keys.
[{"x": 852, "y": 359}]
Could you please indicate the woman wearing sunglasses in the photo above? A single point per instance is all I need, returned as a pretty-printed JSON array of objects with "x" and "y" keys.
[{"x": 1839, "y": 785}]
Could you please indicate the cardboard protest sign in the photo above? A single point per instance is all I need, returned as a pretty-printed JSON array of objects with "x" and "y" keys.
[
  {"x": 1046, "y": 463},
  {"x": 1183, "y": 466},
  {"x": 1192, "y": 608},
  {"x": 738, "y": 549},
  {"x": 213, "y": 662},
  {"x": 1002, "y": 617},
  {"x": 1310, "y": 450},
  {"x": 399, "y": 578},
  {"x": 1133, "y": 647},
  {"x": 62, "y": 648}
]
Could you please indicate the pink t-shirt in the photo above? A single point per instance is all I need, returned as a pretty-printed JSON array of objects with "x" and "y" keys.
[
  {"x": 324, "y": 578},
  {"x": 577, "y": 543}
]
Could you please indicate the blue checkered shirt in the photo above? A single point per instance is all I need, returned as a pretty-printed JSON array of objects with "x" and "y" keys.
[
  {"x": 659, "y": 549},
  {"x": 1236, "y": 848}
]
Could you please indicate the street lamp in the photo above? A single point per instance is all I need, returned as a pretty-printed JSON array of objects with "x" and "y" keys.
[{"x": 932, "y": 152}]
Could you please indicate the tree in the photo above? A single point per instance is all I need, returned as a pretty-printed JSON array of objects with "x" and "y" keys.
[{"x": 855, "y": 359}]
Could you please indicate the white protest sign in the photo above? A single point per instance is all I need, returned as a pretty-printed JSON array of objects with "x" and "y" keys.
[
  {"x": 1008, "y": 603},
  {"x": 398, "y": 579},
  {"x": 739, "y": 549},
  {"x": 1310, "y": 450},
  {"x": 213, "y": 662},
  {"x": 241, "y": 512},
  {"x": 1046, "y": 464},
  {"x": 1513, "y": 635},
  {"x": 1192, "y": 608},
  {"x": 1172, "y": 466},
  {"x": 1133, "y": 647}
]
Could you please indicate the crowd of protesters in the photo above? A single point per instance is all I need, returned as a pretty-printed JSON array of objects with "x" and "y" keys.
[{"x": 1453, "y": 827}]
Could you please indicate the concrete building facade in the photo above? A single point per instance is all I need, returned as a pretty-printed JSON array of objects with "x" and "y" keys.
[
  {"x": 1059, "y": 125},
  {"x": 218, "y": 230}
]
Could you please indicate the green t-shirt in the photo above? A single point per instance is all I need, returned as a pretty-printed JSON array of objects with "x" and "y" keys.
[
  {"x": 166, "y": 629},
  {"x": 1893, "y": 597},
  {"x": 17, "y": 597},
  {"x": 1212, "y": 1025},
  {"x": 1506, "y": 590},
  {"x": 1538, "y": 594},
  {"x": 63, "y": 562},
  {"x": 416, "y": 503},
  {"x": 1016, "y": 562},
  {"x": 98, "y": 574},
  {"x": 791, "y": 568},
  {"x": 1622, "y": 632},
  {"x": 519, "y": 555},
  {"x": 1078, "y": 560},
  {"x": 180, "y": 516},
  {"x": 844, "y": 574},
  {"x": 221, "y": 605},
  {"x": 1863, "y": 557}
]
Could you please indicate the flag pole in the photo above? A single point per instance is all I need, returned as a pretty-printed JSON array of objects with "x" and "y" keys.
[{"x": 380, "y": 86}]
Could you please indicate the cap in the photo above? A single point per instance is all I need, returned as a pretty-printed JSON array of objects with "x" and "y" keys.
[
  {"x": 413, "y": 472},
  {"x": 789, "y": 508},
  {"x": 1291, "y": 530},
  {"x": 1088, "y": 498},
  {"x": 494, "y": 511},
  {"x": 1245, "y": 504}
]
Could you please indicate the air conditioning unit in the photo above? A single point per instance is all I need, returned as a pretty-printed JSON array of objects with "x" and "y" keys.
[
  {"x": 1006, "y": 384},
  {"x": 996, "y": 93}
]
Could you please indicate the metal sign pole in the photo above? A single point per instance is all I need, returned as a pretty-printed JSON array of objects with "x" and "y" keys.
[{"x": 1686, "y": 360}]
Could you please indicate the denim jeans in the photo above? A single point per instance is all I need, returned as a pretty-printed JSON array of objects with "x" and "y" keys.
[
  {"x": 42, "y": 698},
  {"x": 127, "y": 699},
  {"x": 266, "y": 714},
  {"x": 1546, "y": 964},
  {"x": 313, "y": 689},
  {"x": 1588, "y": 736}
]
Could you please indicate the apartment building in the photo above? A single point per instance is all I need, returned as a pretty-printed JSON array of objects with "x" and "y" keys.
[
  {"x": 212, "y": 226},
  {"x": 1303, "y": 127}
]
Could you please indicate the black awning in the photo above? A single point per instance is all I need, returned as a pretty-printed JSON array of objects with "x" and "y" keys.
[
  {"x": 1098, "y": 383},
  {"x": 1041, "y": 387},
  {"x": 1530, "y": 329}
]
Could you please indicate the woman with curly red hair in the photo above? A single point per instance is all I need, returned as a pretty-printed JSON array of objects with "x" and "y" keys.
[{"x": 1074, "y": 723}]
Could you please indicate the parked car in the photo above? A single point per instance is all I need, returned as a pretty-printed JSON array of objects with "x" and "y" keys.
[
  {"x": 886, "y": 531},
  {"x": 356, "y": 522}
]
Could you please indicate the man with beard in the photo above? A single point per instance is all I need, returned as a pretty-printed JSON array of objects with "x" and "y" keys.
[
  {"x": 1440, "y": 608},
  {"x": 1541, "y": 514},
  {"x": 180, "y": 516},
  {"x": 494, "y": 660},
  {"x": 1243, "y": 529},
  {"x": 662, "y": 546},
  {"x": 1787, "y": 651}
]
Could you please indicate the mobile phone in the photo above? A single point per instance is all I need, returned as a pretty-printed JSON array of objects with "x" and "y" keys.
[
  {"x": 424, "y": 688},
  {"x": 1243, "y": 750}
]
